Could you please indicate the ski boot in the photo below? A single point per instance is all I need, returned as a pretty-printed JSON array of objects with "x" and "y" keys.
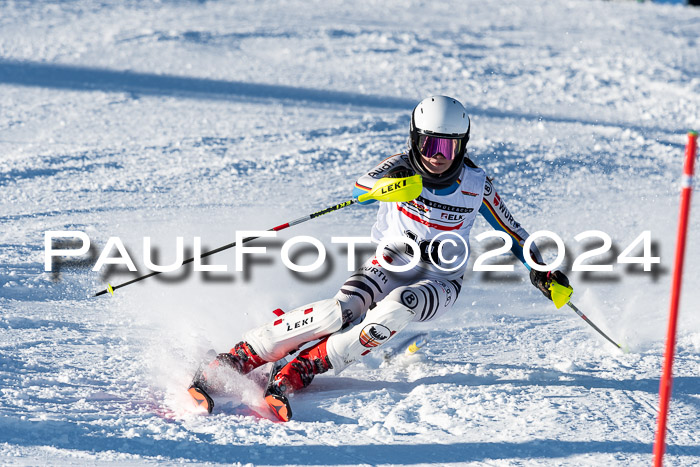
[
  {"x": 241, "y": 359},
  {"x": 293, "y": 376}
]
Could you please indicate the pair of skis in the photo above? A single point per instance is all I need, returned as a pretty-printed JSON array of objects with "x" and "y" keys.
[{"x": 278, "y": 402}]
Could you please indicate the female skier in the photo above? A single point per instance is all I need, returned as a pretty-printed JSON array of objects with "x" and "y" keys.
[{"x": 376, "y": 303}]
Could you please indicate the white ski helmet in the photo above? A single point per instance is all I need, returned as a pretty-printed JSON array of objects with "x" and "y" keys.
[{"x": 439, "y": 124}]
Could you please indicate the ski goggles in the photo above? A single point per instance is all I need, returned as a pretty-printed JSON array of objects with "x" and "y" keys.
[{"x": 431, "y": 146}]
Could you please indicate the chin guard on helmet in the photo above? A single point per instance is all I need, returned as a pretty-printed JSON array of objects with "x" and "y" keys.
[{"x": 439, "y": 124}]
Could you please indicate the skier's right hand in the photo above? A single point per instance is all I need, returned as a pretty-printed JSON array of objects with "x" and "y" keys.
[{"x": 400, "y": 172}]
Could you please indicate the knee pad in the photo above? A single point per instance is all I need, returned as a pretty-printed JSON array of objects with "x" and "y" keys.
[
  {"x": 273, "y": 341},
  {"x": 379, "y": 325}
]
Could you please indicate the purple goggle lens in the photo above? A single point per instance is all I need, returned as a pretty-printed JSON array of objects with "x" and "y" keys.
[{"x": 431, "y": 146}]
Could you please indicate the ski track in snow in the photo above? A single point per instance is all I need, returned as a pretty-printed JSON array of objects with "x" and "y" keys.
[{"x": 181, "y": 118}]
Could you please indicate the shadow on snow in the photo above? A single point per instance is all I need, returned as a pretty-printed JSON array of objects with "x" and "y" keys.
[
  {"x": 66, "y": 435},
  {"x": 80, "y": 78}
]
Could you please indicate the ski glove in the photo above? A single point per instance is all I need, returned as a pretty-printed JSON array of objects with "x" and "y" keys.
[
  {"x": 543, "y": 279},
  {"x": 400, "y": 172}
]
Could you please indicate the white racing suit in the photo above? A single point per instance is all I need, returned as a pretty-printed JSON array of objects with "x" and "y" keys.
[{"x": 375, "y": 303}]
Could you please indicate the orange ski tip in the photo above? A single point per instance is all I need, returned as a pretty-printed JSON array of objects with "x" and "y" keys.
[
  {"x": 199, "y": 399},
  {"x": 279, "y": 408}
]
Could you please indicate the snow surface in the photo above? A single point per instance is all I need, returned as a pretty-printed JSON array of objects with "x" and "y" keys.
[{"x": 177, "y": 118}]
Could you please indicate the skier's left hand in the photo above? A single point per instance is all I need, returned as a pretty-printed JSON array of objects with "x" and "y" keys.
[{"x": 543, "y": 279}]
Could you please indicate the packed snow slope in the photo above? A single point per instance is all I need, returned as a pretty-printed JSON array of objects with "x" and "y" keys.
[{"x": 199, "y": 119}]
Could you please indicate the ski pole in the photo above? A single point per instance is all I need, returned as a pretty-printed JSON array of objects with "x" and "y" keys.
[
  {"x": 385, "y": 189},
  {"x": 561, "y": 295},
  {"x": 585, "y": 318}
]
